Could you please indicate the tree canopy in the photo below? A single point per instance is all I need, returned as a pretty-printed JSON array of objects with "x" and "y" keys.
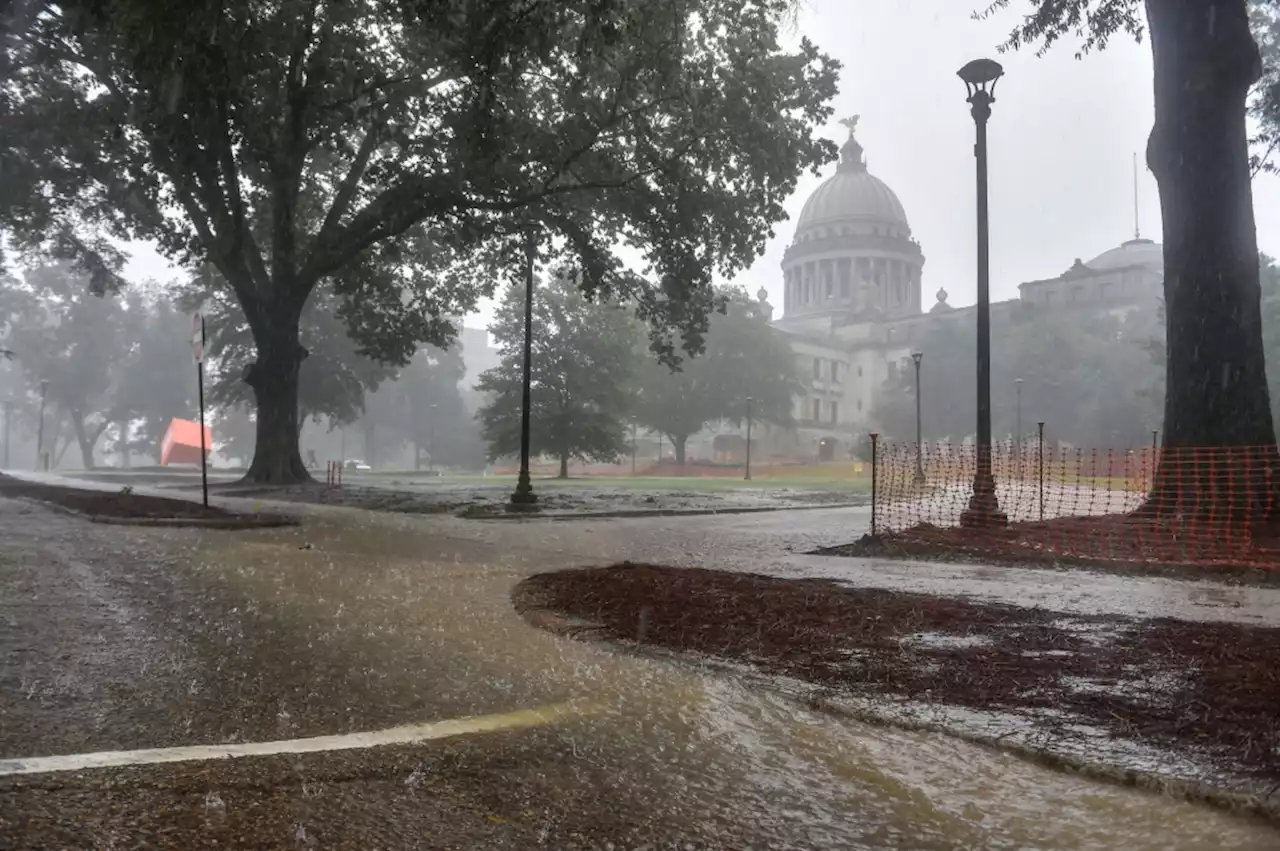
[
  {"x": 582, "y": 366},
  {"x": 744, "y": 357},
  {"x": 399, "y": 150},
  {"x": 1082, "y": 379}
]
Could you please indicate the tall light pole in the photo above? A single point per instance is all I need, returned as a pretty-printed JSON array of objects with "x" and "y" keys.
[
  {"x": 8, "y": 429},
  {"x": 431, "y": 439},
  {"x": 980, "y": 78},
  {"x": 524, "y": 495},
  {"x": 1017, "y": 421},
  {"x": 747, "y": 477},
  {"x": 44, "y": 390},
  {"x": 916, "y": 358},
  {"x": 633, "y": 448}
]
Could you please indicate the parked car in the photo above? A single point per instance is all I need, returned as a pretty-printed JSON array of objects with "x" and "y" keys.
[{"x": 358, "y": 466}]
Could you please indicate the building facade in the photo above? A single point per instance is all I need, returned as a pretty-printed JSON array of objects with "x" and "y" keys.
[{"x": 853, "y": 309}]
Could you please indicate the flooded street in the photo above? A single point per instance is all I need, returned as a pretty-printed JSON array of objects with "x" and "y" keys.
[{"x": 357, "y": 622}]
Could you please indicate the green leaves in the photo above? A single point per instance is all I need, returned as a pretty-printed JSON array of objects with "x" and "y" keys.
[
  {"x": 583, "y": 360},
  {"x": 743, "y": 357},
  {"x": 1085, "y": 377}
]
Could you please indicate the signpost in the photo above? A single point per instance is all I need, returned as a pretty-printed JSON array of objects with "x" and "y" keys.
[{"x": 197, "y": 348}]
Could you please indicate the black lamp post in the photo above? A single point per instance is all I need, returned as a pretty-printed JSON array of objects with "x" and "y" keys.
[
  {"x": 524, "y": 497},
  {"x": 633, "y": 448},
  {"x": 980, "y": 78},
  {"x": 431, "y": 439},
  {"x": 916, "y": 358},
  {"x": 8, "y": 427},
  {"x": 747, "y": 477},
  {"x": 44, "y": 389},
  {"x": 1017, "y": 421}
]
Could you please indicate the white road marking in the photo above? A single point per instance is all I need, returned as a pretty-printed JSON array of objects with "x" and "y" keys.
[{"x": 407, "y": 734}]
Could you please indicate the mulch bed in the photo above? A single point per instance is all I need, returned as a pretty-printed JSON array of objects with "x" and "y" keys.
[
  {"x": 1117, "y": 543},
  {"x": 1211, "y": 689},
  {"x": 114, "y": 504}
]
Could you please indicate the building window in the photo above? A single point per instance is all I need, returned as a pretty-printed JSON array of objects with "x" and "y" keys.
[
  {"x": 1048, "y": 296},
  {"x": 1077, "y": 295},
  {"x": 844, "y": 289},
  {"x": 859, "y": 372},
  {"x": 1104, "y": 291},
  {"x": 859, "y": 404},
  {"x": 892, "y": 369},
  {"x": 831, "y": 288},
  {"x": 835, "y": 412},
  {"x": 817, "y": 410},
  {"x": 835, "y": 372},
  {"x": 817, "y": 368}
]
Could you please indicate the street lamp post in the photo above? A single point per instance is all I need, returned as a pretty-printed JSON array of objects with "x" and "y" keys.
[
  {"x": 916, "y": 358},
  {"x": 633, "y": 449},
  {"x": 431, "y": 439},
  {"x": 524, "y": 496},
  {"x": 44, "y": 390},
  {"x": 1017, "y": 421},
  {"x": 747, "y": 477},
  {"x": 980, "y": 77},
  {"x": 8, "y": 430}
]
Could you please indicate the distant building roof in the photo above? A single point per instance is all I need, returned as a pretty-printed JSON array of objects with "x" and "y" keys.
[{"x": 1135, "y": 252}]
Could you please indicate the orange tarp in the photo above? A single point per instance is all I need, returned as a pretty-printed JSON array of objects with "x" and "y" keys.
[{"x": 181, "y": 444}]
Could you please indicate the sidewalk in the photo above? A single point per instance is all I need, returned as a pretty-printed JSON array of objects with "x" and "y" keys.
[{"x": 146, "y": 637}]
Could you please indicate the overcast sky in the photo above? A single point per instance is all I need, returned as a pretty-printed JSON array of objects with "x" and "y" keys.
[{"x": 1062, "y": 136}]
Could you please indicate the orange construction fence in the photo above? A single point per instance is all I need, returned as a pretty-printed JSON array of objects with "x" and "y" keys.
[{"x": 1175, "y": 505}]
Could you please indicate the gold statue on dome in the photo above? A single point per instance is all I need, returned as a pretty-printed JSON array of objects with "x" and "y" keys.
[{"x": 851, "y": 122}]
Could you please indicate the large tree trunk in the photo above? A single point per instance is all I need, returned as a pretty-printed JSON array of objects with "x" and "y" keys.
[
  {"x": 564, "y": 465},
  {"x": 274, "y": 379},
  {"x": 679, "y": 442},
  {"x": 1205, "y": 60},
  {"x": 84, "y": 439}
]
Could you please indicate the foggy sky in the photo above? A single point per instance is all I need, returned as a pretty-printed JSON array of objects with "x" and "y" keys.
[{"x": 1062, "y": 135}]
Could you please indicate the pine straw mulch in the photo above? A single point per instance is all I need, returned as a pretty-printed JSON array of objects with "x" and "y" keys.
[
  {"x": 1206, "y": 689},
  {"x": 1118, "y": 543}
]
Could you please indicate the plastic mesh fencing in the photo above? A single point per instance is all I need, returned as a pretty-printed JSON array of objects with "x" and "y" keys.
[{"x": 1186, "y": 506}]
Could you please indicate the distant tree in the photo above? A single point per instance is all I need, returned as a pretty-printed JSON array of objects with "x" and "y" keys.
[
  {"x": 75, "y": 341},
  {"x": 582, "y": 367},
  {"x": 399, "y": 147},
  {"x": 744, "y": 357},
  {"x": 158, "y": 381},
  {"x": 1084, "y": 379},
  {"x": 946, "y": 387},
  {"x": 431, "y": 412},
  {"x": 1205, "y": 63}
]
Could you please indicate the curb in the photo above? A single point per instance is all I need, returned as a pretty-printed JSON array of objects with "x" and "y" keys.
[
  {"x": 1266, "y": 807},
  {"x": 234, "y": 522},
  {"x": 656, "y": 512}
]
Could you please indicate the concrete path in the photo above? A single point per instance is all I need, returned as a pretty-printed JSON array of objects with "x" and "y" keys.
[{"x": 128, "y": 638}]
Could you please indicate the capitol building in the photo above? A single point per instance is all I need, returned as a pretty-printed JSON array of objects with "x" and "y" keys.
[{"x": 853, "y": 307}]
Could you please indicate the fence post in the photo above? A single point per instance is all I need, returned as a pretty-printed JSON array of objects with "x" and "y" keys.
[
  {"x": 875, "y": 437},
  {"x": 1040, "y": 456}
]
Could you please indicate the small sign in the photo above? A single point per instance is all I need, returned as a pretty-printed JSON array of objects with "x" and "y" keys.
[{"x": 197, "y": 337}]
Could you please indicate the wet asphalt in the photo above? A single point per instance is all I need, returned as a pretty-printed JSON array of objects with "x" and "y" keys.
[{"x": 120, "y": 637}]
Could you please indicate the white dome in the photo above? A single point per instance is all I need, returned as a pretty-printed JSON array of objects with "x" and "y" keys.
[
  {"x": 1135, "y": 252},
  {"x": 853, "y": 195}
]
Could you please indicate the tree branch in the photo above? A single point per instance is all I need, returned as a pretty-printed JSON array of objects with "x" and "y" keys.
[{"x": 347, "y": 189}]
